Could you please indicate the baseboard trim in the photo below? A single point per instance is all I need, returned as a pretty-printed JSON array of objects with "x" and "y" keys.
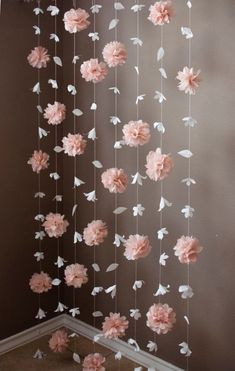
[{"x": 145, "y": 359}]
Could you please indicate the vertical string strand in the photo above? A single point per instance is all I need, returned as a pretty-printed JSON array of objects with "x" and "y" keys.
[{"x": 115, "y": 165}]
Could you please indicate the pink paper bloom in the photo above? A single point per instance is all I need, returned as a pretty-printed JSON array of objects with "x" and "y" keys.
[
  {"x": 93, "y": 362},
  {"x": 136, "y": 133},
  {"x": 74, "y": 144},
  {"x": 188, "y": 80},
  {"x": 76, "y": 20},
  {"x": 94, "y": 71},
  {"x": 55, "y": 225},
  {"x": 40, "y": 282},
  {"x": 160, "y": 318},
  {"x": 161, "y": 12},
  {"x": 95, "y": 233},
  {"x": 137, "y": 247},
  {"x": 55, "y": 113},
  {"x": 115, "y": 180},
  {"x": 115, "y": 54},
  {"x": 75, "y": 275},
  {"x": 39, "y": 161},
  {"x": 38, "y": 58},
  {"x": 187, "y": 249},
  {"x": 114, "y": 326},
  {"x": 59, "y": 341},
  {"x": 158, "y": 165}
]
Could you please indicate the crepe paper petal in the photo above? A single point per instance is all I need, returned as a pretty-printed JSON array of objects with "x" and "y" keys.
[
  {"x": 60, "y": 262},
  {"x": 39, "y": 195},
  {"x": 38, "y": 354},
  {"x": 75, "y": 59},
  {"x": 119, "y": 210},
  {"x": 137, "y": 7},
  {"x": 163, "y": 258},
  {"x": 118, "y": 144},
  {"x": 159, "y": 126},
  {"x": 92, "y": 134},
  {"x": 93, "y": 107},
  {"x": 74, "y": 312},
  {"x": 188, "y": 211},
  {"x": 54, "y": 176},
  {"x": 71, "y": 89},
  {"x": 91, "y": 196},
  {"x": 39, "y": 108},
  {"x": 37, "y": 11},
  {"x": 138, "y": 210},
  {"x": 115, "y": 90},
  {"x": 163, "y": 72},
  {"x": 162, "y": 290},
  {"x": 55, "y": 37},
  {"x": 37, "y": 30},
  {"x": 118, "y": 356},
  {"x": 186, "y": 153},
  {"x": 53, "y": 10},
  {"x": 163, "y": 203},
  {"x": 96, "y": 8},
  {"x": 161, "y": 233},
  {"x": 186, "y": 319},
  {"x": 77, "y": 237},
  {"x": 53, "y": 83},
  {"x": 97, "y": 337},
  {"x": 159, "y": 96},
  {"x": 140, "y": 98},
  {"x": 97, "y": 290},
  {"x": 137, "y": 178},
  {"x": 58, "y": 61},
  {"x": 115, "y": 120},
  {"x": 39, "y": 255},
  {"x": 78, "y": 182},
  {"x": 40, "y": 235},
  {"x": 137, "y": 284},
  {"x": 97, "y": 164},
  {"x": 77, "y": 112},
  {"x": 56, "y": 282},
  {"x": 74, "y": 209},
  {"x": 136, "y": 41},
  {"x": 94, "y": 36},
  {"x": 188, "y": 181},
  {"x": 114, "y": 22},
  {"x": 60, "y": 308},
  {"x": 97, "y": 314},
  {"x": 58, "y": 149},
  {"x": 39, "y": 218},
  {"x": 134, "y": 344},
  {"x": 112, "y": 267},
  {"x": 42, "y": 133},
  {"x": 112, "y": 291},
  {"x": 185, "y": 349},
  {"x": 187, "y": 32},
  {"x": 36, "y": 89},
  {"x": 152, "y": 346},
  {"x": 58, "y": 198},
  {"x": 96, "y": 267},
  {"x": 189, "y": 4},
  {"x": 118, "y": 6},
  {"x": 189, "y": 121},
  {"x": 186, "y": 291},
  {"x": 135, "y": 313},
  {"x": 160, "y": 53},
  {"x": 118, "y": 240},
  {"x": 40, "y": 314}
]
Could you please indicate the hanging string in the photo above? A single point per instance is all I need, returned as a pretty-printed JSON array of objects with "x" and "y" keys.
[{"x": 115, "y": 165}]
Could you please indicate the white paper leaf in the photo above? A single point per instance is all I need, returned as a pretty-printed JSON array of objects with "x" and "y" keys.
[
  {"x": 93, "y": 107},
  {"x": 58, "y": 61},
  {"x": 39, "y": 195},
  {"x": 58, "y": 149},
  {"x": 113, "y": 23},
  {"x": 37, "y": 11},
  {"x": 187, "y": 32},
  {"x": 138, "y": 368},
  {"x": 115, "y": 120},
  {"x": 186, "y": 291},
  {"x": 97, "y": 314},
  {"x": 138, "y": 210},
  {"x": 136, "y": 41},
  {"x": 39, "y": 217},
  {"x": 112, "y": 267},
  {"x": 42, "y": 133},
  {"x": 97, "y": 164},
  {"x": 60, "y": 308},
  {"x": 137, "y": 7},
  {"x": 73, "y": 335},
  {"x": 58, "y": 198},
  {"x": 92, "y": 134},
  {"x": 75, "y": 59},
  {"x": 186, "y": 319},
  {"x": 163, "y": 258},
  {"x": 77, "y": 237},
  {"x": 188, "y": 181},
  {"x": 135, "y": 313},
  {"x": 38, "y": 355},
  {"x": 76, "y": 358},
  {"x": 40, "y": 314},
  {"x": 159, "y": 96},
  {"x": 71, "y": 89},
  {"x": 95, "y": 8},
  {"x": 164, "y": 203},
  {"x": 39, "y": 255},
  {"x": 53, "y": 10},
  {"x": 118, "y": 356},
  {"x": 97, "y": 337},
  {"x": 137, "y": 70},
  {"x": 37, "y": 30},
  {"x": 54, "y": 176},
  {"x": 55, "y": 37},
  {"x": 152, "y": 346},
  {"x": 189, "y": 121},
  {"x": 39, "y": 108},
  {"x": 78, "y": 182},
  {"x": 159, "y": 126},
  {"x": 162, "y": 290},
  {"x": 53, "y": 83},
  {"x": 74, "y": 209},
  {"x": 140, "y": 98},
  {"x": 189, "y": 4},
  {"x": 163, "y": 72},
  {"x": 186, "y": 153},
  {"x": 137, "y": 178},
  {"x": 118, "y": 144},
  {"x": 74, "y": 312},
  {"x": 160, "y": 53},
  {"x": 161, "y": 233},
  {"x": 111, "y": 290},
  {"x": 60, "y": 262},
  {"x": 56, "y": 282},
  {"x": 137, "y": 284},
  {"x": 94, "y": 36},
  {"x": 40, "y": 235},
  {"x": 119, "y": 210},
  {"x": 118, "y": 240},
  {"x": 96, "y": 267},
  {"x": 118, "y": 6},
  {"x": 134, "y": 344},
  {"x": 185, "y": 349},
  {"x": 115, "y": 90},
  {"x": 36, "y": 89},
  {"x": 97, "y": 290},
  {"x": 188, "y": 211},
  {"x": 91, "y": 196},
  {"x": 77, "y": 112}
]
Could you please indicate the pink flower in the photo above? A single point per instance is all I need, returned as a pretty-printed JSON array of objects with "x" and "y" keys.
[
  {"x": 160, "y": 318},
  {"x": 39, "y": 161},
  {"x": 187, "y": 249},
  {"x": 40, "y": 282},
  {"x": 38, "y": 58},
  {"x": 161, "y": 12},
  {"x": 55, "y": 113},
  {"x": 59, "y": 341},
  {"x": 114, "y": 326},
  {"x": 115, "y": 180},
  {"x": 115, "y": 54},
  {"x": 93, "y": 71},
  {"x": 136, "y": 133},
  {"x": 55, "y": 225},
  {"x": 188, "y": 80},
  {"x": 158, "y": 165},
  {"x": 75, "y": 20},
  {"x": 74, "y": 144},
  {"x": 95, "y": 233},
  {"x": 75, "y": 275},
  {"x": 93, "y": 362},
  {"x": 137, "y": 247}
]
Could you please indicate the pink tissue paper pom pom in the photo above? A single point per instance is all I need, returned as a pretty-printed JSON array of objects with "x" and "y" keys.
[
  {"x": 74, "y": 144},
  {"x": 39, "y": 57},
  {"x": 115, "y": 180},
  {"x": 114, "y": 326},
  {"x": 75, "y": 275},
  {"x": 136, "y": 133},
  {"x": 93, "y": 362},
  {"x": 55, "y": 225},
  {"x": 160, "y": 318},
  {"x": 76, "y": 20},
  {"x": 59, "y": 341},
  {"x": 55, "y": 113},
  {"x": 137, "y": 247},
  {"x": 39, "y": 161},
  {"x": 188, "y": 80},
  {"x": 187, "y": 249},
  {"x": 161, "y": 12},
  {"x": 94, "y": 71},
  {"x": 40, "y": 282},
  {"x": 115, "y": 54},
  {"x": 95, "y": 233},
  {"x": 158, "y": 165}
]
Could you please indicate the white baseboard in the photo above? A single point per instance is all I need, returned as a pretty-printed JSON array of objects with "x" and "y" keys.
[{"x": 145, "y": 359}]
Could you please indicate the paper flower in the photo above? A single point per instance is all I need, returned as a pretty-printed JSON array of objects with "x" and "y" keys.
[
  {"x": 76, "y": 20},
  {"x": 95, "y": 233},
  {"x": 55, "y": 113},
  {"x": 188, "y": 80},
  {"x": 114, "y": 54},
  {"x": 160, "y": 318},
  {"x": 158, "y": 165},
  {"x": 136, "y": 133},
  {"x": 115, "y": 180},
  {"x": 39, "y": 161},
  {"x": 137, "y": 247},
  {"x": 94, "y": 71},
  {"x": 161, "y": 12},
  {"x": 74, "y": 144},
  {"x": 59, "y": 341},
  {"x": 55, "y": 225},
  {"x": 114, "y": 326},
  {"x": 75, "y": 275},
  {"x": 93, "y": 362},
  {"x": 40, "y": 282},
  {"x": 39, "y": 57},
  {"x": 187, "y": 249}
]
